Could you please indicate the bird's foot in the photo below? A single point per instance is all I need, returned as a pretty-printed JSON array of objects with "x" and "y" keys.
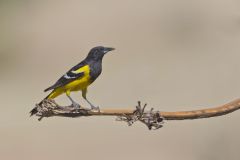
[
  {"x": 94, "y": 108},
  {"x": 76, "y": 105}
]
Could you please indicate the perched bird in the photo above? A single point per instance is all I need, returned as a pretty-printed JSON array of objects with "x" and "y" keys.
[{"x": 80, "y": 76}]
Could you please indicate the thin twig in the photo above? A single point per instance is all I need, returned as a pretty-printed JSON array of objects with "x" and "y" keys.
[{"x": 153, "y": 119}]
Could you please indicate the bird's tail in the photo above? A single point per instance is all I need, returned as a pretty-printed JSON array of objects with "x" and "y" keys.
[{"x": 49, "y": 88}]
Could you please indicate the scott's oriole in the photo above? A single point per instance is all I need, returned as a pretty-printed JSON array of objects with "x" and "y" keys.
[{"x": 80, "y": 76}]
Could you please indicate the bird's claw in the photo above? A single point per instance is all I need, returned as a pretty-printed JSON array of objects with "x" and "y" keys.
[
  {"x": 76, "y": 105},
  {"x": 93, "y": 108}
]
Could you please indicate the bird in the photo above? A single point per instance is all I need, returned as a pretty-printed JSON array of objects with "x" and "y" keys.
[{"x": 79, "y": 77}]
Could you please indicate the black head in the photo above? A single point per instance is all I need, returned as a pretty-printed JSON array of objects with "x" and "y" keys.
[{"x": 97, "y": 53}]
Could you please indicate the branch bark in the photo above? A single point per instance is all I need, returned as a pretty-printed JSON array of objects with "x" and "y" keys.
[{"x": 153, "y": 119}]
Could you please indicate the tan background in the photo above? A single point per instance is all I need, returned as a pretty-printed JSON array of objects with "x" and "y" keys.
[{"x": 175, "y": 55}]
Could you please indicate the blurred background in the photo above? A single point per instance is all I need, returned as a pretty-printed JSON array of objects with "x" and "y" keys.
[{"x": 174, "y": 55}]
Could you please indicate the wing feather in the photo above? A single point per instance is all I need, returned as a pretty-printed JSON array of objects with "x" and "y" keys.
[{"x": 73, "y": 74}]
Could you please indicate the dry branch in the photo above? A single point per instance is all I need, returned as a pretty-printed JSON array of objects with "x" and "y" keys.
[{"x": 153, "y": 119}]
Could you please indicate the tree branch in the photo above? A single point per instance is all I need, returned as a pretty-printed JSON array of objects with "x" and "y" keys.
[{"x": 152, "y": 119}]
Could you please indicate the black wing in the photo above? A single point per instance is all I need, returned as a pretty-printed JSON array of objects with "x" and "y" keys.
[{"x": 68, "y": 77}]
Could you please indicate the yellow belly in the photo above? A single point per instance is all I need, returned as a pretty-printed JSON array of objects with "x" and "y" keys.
[{"x": 76, "y": 85}]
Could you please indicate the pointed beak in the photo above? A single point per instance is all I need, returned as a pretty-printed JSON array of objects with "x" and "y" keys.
[{"x": 107, "y": 49}]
